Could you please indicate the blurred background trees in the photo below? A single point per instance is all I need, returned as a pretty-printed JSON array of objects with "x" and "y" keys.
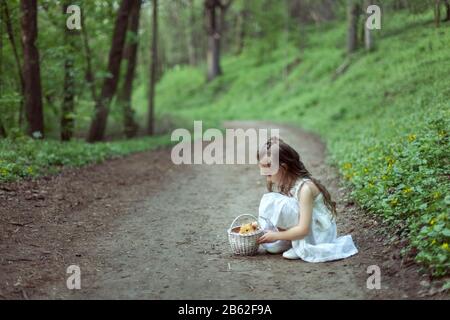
[{"x": 81, "y": 83}]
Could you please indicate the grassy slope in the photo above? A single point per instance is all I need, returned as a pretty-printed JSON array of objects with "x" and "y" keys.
[{"x": 385, "y": 120}]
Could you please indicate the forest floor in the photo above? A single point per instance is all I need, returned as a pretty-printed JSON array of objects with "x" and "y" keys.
[{"x": 141, "y": 227}]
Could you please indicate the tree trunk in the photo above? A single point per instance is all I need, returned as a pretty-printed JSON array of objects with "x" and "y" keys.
[
  {"x": 31, "y": 69},
  {"x": 368, "y": 39},
  {"x": 10, "y": 32},
  {"x": 241, "y": 31},
  {"x": 352, "y": 32},
  {"x": 89, "y": 75},
  {"x": 437, "y": 13},
  {"x": 98, "y": 125},
  {"x": 2, "y": 128},
  {"x": 190, "y": 34},
  {"x": 213, "y": 54},
  {"x": 447, "y": 7},
  {"x": 68, "y": 105},
  {"x": 130, "y": 126},
  {"x": 153, "y": 70}
]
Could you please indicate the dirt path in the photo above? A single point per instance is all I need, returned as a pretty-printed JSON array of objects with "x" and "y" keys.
[{"x": 143, "y": 228}]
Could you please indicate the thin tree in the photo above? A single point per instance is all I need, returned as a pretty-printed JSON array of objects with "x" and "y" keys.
[
  {"x": 213, "y": 54},
  {"x": 447, "y": 7},
  {"x": 2, "y": 128},
  {"x": 153, "y": 70},
  {"x": 130, "y": 55},
  {"x": 368, "y": 38},
  {"x": 31, "y": 69},
  {"x": 89, "y": 74},
  {"x": 68, "y": 104},
  {"x": 437, "y": 12},
  {"x": 215, "y": 28},
  {"x": 352, "y": 31},
  {"x": 190, "y": 39},
  {"x": 98, "y": 124},
  {"x": 10, "y": 31}
]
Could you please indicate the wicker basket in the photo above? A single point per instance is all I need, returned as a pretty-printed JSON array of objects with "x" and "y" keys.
[{"x": 244, "y": 244}]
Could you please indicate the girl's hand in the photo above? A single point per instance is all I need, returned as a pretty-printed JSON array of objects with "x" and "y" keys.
[{"x": 268, "y": 237}]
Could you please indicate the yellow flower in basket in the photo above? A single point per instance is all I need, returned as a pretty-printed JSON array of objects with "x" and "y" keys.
[{"x": 248, "y": 228}]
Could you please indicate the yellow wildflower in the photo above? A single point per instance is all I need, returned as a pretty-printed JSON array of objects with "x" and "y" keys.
[
  {"x": 445, "y": 246},
  {"x": 390, "y": 161},
  {"x": 411, "y": 137},
  {"x": 347, "y": 165},
  {"x": 407, "y": 190},
  {"x": 433, "y": 221}
]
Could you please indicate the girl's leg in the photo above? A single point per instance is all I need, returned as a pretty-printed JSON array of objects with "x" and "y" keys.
[{"x": 282, "y": 212}]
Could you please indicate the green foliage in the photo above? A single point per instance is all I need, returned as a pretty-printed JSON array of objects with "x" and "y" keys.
[
  {"x": 385, "y": 119},
  {"x": 23, "y": 157},
  {"x": 405, "y": 180}
]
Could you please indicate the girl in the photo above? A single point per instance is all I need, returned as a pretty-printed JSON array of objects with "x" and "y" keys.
[{"x": 302, "y": 211}]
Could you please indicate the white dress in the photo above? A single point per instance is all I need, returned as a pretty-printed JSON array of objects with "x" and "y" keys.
[{"x": 321, "y": 244}]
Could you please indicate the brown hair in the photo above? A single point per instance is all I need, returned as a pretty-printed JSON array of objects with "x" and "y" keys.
[{"x": 291, "y": 169}]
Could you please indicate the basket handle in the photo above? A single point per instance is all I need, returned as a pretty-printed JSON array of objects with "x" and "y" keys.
[{"x": 245, "y": 214}]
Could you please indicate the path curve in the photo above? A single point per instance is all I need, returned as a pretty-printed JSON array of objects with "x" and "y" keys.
[{"x": 154, "y": 230}]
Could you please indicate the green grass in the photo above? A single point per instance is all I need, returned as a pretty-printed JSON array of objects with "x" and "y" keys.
[
  {"x": 27, "y": 158},
  {"x": 385, "y": 120}
]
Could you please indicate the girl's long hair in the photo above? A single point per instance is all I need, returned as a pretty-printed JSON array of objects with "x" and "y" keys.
[{"x": 291, "y": 169}]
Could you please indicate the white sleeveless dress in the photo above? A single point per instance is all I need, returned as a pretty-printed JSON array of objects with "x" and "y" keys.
[{"x": 322, "y": 243}]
